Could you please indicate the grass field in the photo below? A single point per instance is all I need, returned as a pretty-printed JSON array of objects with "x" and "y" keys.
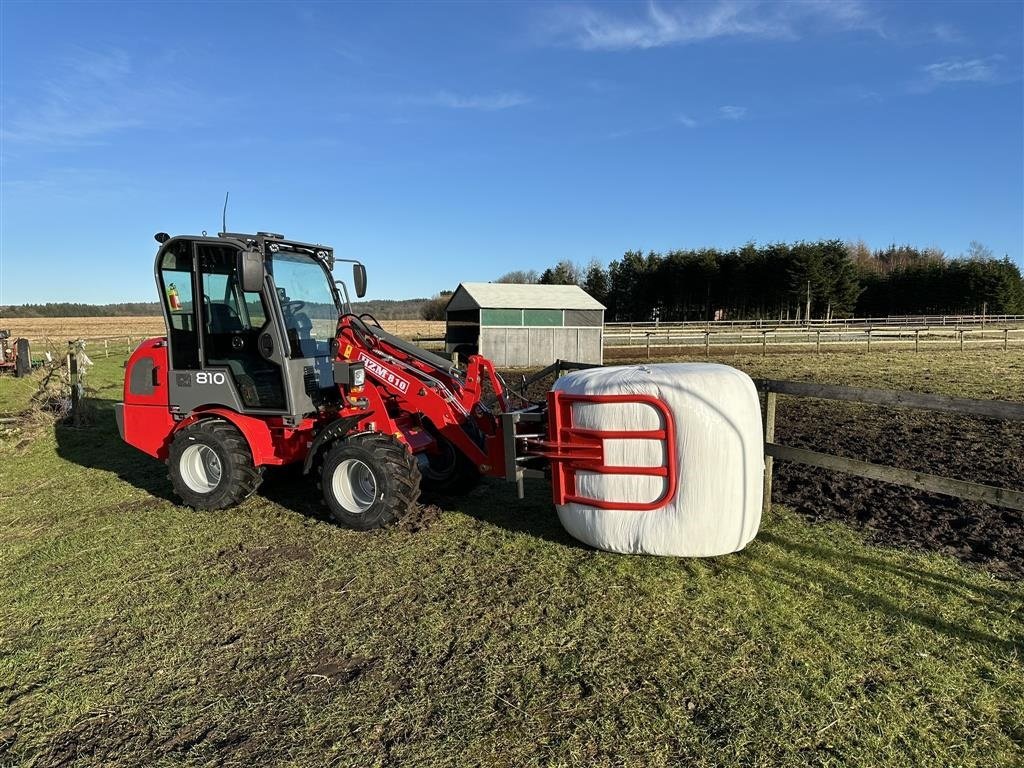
[{"x": 137, "y": 632}]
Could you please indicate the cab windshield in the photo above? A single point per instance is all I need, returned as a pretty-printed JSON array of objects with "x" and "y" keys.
[{"x": 307, "y": 300}]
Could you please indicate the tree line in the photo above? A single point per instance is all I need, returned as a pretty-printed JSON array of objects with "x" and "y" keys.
[
  {"x": 823, "y": 279},
  {"x": 73, "y": 309}
]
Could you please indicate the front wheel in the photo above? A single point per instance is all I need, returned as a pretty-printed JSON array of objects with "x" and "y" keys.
[{"x": 369, "y": 481}]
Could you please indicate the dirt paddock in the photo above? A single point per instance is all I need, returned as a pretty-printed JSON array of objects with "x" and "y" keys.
[{"x": 979, "y": 450}]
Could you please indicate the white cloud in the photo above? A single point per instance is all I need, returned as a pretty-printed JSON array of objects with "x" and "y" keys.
[
  {"x": 90, "y": 95},
  {"x": 588, "y": 28},
  {"x": 963, "y": 70},
  {"x": 730, "y": 112},
  {"x": 686, "y": 121},
  {"x": 487, "y": 103}
]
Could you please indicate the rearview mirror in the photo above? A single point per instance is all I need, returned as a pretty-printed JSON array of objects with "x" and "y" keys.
[
  {"x": 250, "y": 271},
  {"x": 359, "y": 278}
]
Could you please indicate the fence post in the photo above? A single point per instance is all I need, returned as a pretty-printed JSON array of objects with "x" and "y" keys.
[
  {"x": 106, "y": 348},
  {"x": 648, "y": 345},
  {"x": 707, "y": 343},
  {"x": 76, "y": 387},
  {"x": 917, "y": 338},
  {"x": 961, "y": 340},
  {"x": 1006, "y": 333},
  {"x": 869, "y": 339},
  {"x": 769, "y": 437},
  {"x": 817, "y": 343},
  {"x": 764, "y": 343}
]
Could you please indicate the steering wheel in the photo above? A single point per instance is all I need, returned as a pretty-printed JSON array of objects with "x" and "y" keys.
[{"x": 293, "y": 306}]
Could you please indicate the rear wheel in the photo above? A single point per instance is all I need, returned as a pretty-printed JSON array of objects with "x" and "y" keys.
[
  {"x": 211, "y": 466},
  {"x": 448, "y": 472},
  {"x": 369, "y": 481}
]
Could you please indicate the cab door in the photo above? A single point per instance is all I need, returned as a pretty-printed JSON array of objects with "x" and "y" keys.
[
  {"x": 216, "y": 332},
  {"x": 232, "y": 323}
]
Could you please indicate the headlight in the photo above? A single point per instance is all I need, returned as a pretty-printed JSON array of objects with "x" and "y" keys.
[{"x": 359, "y": 377}]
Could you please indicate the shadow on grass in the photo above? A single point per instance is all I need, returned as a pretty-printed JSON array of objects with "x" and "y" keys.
[
  {"x": 495, "y": 503},
  {"x": 925, "y": 578},
  {"x": 99, "y": 446},
  {"x": 819, "y": 565}
]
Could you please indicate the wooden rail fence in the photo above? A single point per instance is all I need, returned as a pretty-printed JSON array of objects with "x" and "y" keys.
[
  {"x": 993, "y": 409},
  {"x": 812, "y": 337},
  {"x": 955, "y": 321}
]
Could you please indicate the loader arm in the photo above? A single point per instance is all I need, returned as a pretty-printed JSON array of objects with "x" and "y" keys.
[{"x": 423, "y": 396}]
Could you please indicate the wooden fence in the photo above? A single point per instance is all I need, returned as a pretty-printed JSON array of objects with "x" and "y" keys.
[
  {"x": 812, "y": 337},
  {"x": 993, "y": 409},
  {"x": 956, "y": 321}
]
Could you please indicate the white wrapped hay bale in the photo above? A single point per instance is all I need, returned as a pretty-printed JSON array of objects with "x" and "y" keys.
[{"x": 718, "y": 457}]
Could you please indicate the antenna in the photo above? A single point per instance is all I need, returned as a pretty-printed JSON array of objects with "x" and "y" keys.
[{"x": 224, "y": 214}]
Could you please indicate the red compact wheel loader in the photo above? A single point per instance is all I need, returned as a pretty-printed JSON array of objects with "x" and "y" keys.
[{"x": 265, "y": 364}]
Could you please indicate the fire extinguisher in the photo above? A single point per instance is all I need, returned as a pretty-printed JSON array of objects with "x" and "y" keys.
[{"x": 172, "y": 297}]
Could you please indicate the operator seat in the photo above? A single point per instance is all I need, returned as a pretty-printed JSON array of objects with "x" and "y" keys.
[{"x": 224, "y": 319}]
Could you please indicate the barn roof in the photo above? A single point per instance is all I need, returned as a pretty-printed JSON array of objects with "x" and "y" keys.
[{"x": 521, "y": 296}]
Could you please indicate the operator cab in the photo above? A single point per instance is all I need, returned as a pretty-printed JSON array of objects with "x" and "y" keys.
[{"x": 251, "y": 322}]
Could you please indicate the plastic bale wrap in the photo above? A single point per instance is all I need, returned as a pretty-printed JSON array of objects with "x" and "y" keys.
[{"x": 719, "y": 456}]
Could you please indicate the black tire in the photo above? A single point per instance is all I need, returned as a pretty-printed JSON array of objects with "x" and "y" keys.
[
  {"x": 201, "y": 451},
  {"x": 449, "y": 472},
  {"x": 369, "y": 481}
]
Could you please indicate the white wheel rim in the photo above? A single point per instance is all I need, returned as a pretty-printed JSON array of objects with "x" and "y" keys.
[
  {"x": 354, "y": 486},
  {"x": 200, "y": 468}
]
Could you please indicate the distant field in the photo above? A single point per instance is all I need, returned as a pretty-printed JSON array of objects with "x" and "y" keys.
[
  {"x": 414, "y": 328},
  {"x": 38, "y": 329}
]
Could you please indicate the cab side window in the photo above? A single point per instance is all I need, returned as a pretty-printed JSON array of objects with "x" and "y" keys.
[
  {"x": 223, "y": 313},
  {"x": 255, "y": 310},
  {"x": 177, "y": 275}
]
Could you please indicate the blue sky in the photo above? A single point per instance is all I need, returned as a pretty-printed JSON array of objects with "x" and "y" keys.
[{"x": 443, "y": 143}]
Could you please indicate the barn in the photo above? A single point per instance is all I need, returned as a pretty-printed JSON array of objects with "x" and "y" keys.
[{"x": 518, "y": 326}]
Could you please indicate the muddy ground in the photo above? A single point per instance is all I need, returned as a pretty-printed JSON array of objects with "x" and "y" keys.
[{"x": 980, "y": 450}]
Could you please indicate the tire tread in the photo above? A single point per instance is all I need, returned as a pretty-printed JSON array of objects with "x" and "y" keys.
[
  {"x": 399, "y": 465},
  {"x": 244, "y": 477}
]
